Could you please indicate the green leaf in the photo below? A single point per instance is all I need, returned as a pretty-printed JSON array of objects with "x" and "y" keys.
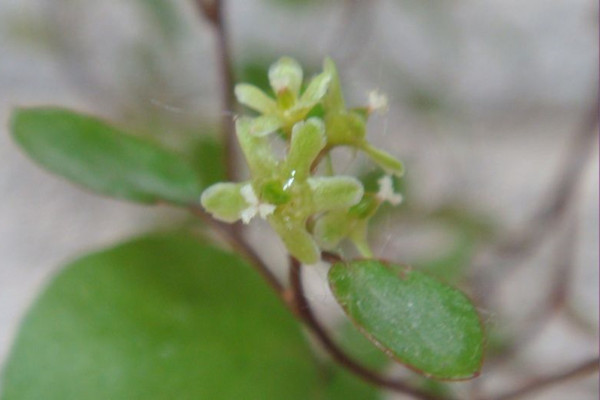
[
  {"x": 207, "y": 155},
  {"x": 341, "y": 384},
  {"x": 99, "y": 157},
  {"x": 423, "y": 323},
  {"x": 160, "y": 317}
]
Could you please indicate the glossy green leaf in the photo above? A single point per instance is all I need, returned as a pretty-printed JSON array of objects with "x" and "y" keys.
[
  {"x": 161, "y": 317},
  {"x": 423, "y": 323},
  {"x": 99, "y": 157}
]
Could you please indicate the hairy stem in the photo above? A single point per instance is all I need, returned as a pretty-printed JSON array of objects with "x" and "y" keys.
[{"x": 303, "y": 310}]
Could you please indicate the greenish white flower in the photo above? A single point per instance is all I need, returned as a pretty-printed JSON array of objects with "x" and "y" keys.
[
  {"x": 289, "y": 105},
  {"x": 284, "y": 192}
]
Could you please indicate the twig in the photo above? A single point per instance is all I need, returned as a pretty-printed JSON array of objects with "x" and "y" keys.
[
  {"x": 520, "y": 245},
  {"x": 542, "y": 383},
  {"x": 562, "y": 192},
  {"x": 555, "y": 299},
  {"x": 303, "y": 310},
  {"x": 212, "y": 10}
]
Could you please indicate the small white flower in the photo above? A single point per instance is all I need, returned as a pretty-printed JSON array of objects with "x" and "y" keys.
[
  {"x": 386, "y": 191},
  {"x": 378, "y": 102},
  {"x": 254, "y": 206}
]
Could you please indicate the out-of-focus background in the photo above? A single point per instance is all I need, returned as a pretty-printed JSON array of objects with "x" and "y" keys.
[{"x": 490, "y": 105}]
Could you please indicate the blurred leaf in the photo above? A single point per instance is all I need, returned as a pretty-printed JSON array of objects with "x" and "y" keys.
[
  {"x": 97, "y": 156},
  {"x": 360, "y": 348},
  {"x": 208, "y": 155},
  {"x": 343, "y": 385},
  {"x": 468, "y": 231},
  {"x": 431, "y": 327},
  {"x": 160, "y": 317}
]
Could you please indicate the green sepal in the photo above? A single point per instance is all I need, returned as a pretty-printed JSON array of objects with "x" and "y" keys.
[
  {"x": 366, "y": 207},
  {"x": 332, "y": 228},
  {"x": 358, "y": 236},
  {"x": 345, "y": 128}
]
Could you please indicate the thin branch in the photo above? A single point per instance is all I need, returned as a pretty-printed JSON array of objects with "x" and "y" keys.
[
  {"x": 583, "y": 369},
  {"x": 562, "y": 192},
  {"x": 212, "y": 10},
  {"x": 554, "y": 300},
  {"x": 303, "y": 310},
  {"x": 519, "y": 245}
]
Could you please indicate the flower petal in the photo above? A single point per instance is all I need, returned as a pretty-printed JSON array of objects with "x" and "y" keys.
[
  {"x": 308, "y": 139},
  {"x": 286, "y": 73},
  {"x": 336, "y": 192},
  {"x": 315, "y": 91},
  {"x": 224, "y": 201},
  {"x": 297, "y": 240},
  {"x": 265, "y": 124},
  {"x": 385, "y": 160},
  {"x": 332, "y": 228},
  {"x": 255, "y": 98},
  {"x": 257, "y": 150}
]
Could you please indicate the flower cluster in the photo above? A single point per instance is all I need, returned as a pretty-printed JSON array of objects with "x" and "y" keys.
[{"x": 307, "y": 211}]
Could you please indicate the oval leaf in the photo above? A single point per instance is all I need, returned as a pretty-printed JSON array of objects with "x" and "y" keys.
[
  {"x": 157, "y": 318},
  {"x": 423, "y": 323},
  {"x": 93, "y": 154}
]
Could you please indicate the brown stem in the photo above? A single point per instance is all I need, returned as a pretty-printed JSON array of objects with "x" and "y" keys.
[
  {"x": 563, "y": 191},
  {"x": 550, "y": 214},
  {"x": 542, "y": 383},
  {"x": 554, "y": 300},
  {"x": 303, "y": 310},
  {"x": 212, "y": 10}
]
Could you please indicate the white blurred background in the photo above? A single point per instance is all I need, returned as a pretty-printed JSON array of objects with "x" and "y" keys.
[{"x": 486, "y": 98}]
